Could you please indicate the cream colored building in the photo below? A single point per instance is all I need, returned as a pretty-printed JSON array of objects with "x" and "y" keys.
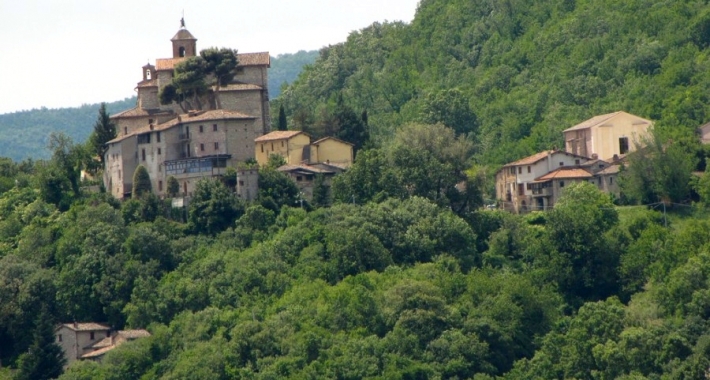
[
  {"x": 293, "y": 146},
  {"x": 188, "y": 145},
  {"x": 74, "y": 338},
  {"x": 333, "y": 151},
  {"x": 606, "y": 136}
]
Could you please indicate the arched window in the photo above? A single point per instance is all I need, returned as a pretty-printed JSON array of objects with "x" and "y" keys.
[
  {"x": 147, "y": 74},
  {"x": 181, "y": 51}
]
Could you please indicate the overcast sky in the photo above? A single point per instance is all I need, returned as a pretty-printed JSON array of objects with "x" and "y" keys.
[{"x": 64, "y": 53}]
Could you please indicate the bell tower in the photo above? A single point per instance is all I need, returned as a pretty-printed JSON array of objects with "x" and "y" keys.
[{"x": 184, "y": 43}]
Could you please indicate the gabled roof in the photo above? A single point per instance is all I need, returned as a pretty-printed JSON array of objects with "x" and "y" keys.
[
  {"x": 529, "y": 160},
  {"x": 565, "y": 173},
  {"x": 141, "y": 112},
  {"x": 88, "y": 326},
  {"x": 331, "y": 138},
  {"x": 245, "y": 59},
  {"x": 278, "y": 135},
  {"x": 304, "y": 168},
  {"x": 601, "y": 119},
  {"x": 187, "y": 118}
]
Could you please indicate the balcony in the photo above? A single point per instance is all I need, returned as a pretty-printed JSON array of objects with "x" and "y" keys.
[
  {"x": 542, "y": 192},
  {"x": 184, "y": 136}
]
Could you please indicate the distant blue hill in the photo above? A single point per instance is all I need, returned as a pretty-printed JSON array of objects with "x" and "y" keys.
[{"x": 24, "y": 134}]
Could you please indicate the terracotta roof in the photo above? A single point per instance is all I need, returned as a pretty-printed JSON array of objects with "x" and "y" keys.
[
  {"x": 564, "y": 173},
  {"x": 307, "y": 168},
  {"x": 330, "y": 138},
  {"x": 186, "y": 118},
  {"x": 140, "y": 112},
  {"x": 88, "y": 326},
  {"x": 254, "y": 59},
  {"x": 240, "y": 87},
  {"x": 245, "y": 59},
  {"x": 167, "y": 63},
  {"x": 183, "y": 34},
  {"x": 277, "y": 135},
  {"x": 105, "y": 342},
  {"x": 531, "y": 159},
  {"x": 599, "y": 119},
  {"x": 134, "y": 334}
]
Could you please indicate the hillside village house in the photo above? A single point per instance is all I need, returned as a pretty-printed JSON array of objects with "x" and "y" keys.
[
  {"x": 606, "y": 136},
  {"x": 193, "y": 145},
  {"x": 91, "y": 340},
  {"x": 536, "y": 182}
]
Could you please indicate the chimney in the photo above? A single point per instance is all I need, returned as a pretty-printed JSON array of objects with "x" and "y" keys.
[
  {"x": 595, "y": 156},
  {"x": 76, "y": 325}
]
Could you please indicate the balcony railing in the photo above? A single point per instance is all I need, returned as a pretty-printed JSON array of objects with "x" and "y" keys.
[
  {"x": 184, "y": 136},
  {"x": 542, "y": 192}
]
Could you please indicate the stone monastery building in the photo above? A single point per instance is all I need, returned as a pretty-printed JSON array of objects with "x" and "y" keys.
[{"x": 193, "y": 145}]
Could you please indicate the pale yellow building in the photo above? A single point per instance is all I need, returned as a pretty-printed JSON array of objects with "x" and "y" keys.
[
  {"x": 293, "y": 146},
  {"x": 332, "y": 151},
  {"x": 606, "y": 136}
]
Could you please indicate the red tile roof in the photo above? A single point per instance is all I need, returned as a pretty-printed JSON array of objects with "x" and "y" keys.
[
  {"x": 531, "y": 159},
  {"x": 245, "y": 59},
  {"x": 565, "y": 173},
  {"x": 277, "y": 135}
]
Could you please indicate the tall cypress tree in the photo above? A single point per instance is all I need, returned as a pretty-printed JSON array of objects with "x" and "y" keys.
[
  {"x": 141, "y": 182},
  {"x": 282, "y": 119}
]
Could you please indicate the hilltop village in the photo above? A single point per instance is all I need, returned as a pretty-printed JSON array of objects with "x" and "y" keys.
[{"x": 232, "y": 128}]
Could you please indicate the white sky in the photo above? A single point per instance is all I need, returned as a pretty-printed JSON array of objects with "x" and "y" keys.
[{"x": 64, "y": 53}]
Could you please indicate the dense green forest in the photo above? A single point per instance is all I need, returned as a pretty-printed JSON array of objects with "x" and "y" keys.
[
  {"x": 395, "y": 271},
  {"x": 285, "y": 69},
  {"x": 525, "y": 71},
  {"x": 25, "y": 134}
]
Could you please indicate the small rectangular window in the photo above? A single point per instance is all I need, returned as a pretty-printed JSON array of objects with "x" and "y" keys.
[
  {"x": 202, "y": 147},
  {"x": 214, "y": 127},
  {"x": 562, "y": 164},
  {"x": 160, "y": 185},
  {"x": 159, "y": 151},
  {"x": 262, "y": 148},
  {"x": 576, "y": 162},
  {"x": 201, "y": 128},
  {"x": 520, "y": 170},
  {"x": 623, "y": 145},
  {"x": 562, "y": 183},
  {"x": 216, "y": 146},
  {"x": 143, "y": 154},
  {"x": 157, "y": 136},
  {"x": 528, "y": 168},
  {"x": 91, "y": 335},
  {"x": 125, "y": 130},
  {"x": 59, "y": 337},
  {"x": 611, "y": 180}
]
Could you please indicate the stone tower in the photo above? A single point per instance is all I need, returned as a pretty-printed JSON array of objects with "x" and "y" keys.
[{"x": 184, "y": 43}]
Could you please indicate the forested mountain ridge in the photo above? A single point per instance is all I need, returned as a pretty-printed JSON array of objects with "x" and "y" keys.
[
  {"x": 527, "y": 71},
  {"x": 24, "y": 134}
]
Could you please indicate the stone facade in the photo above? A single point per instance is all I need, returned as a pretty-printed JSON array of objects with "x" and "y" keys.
[
  {"x": 188, "y": 145},
  {"x": 73, "y": 338}
]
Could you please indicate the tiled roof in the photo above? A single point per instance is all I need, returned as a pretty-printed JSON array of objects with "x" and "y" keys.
[
  {"x": 254, "y": 59},
  {"x": 97, "y": 353},
  {"x": 307, "y": 168},
  {"x": 245, "y": 59},
  {"x": 564, "y": 173},
  {"x": 531, "y": 159},
  {"x": 167, "y": 63},
  {"x": 330, "y": 138},
  {"x": 240, "y": 87},
  {"x": 599, "y": 119},
  {"x": 140, "y": 112},
  {"x": 186, "y": 118},
  {"x": 134, "y": 334},
  {"x": 148, "y": 83},
  {"x": 277, "y": 135},
  {"x": 183, "y": 34},
  {"x": 613, "y": 169},
  {"x": 88, "y": 326}
]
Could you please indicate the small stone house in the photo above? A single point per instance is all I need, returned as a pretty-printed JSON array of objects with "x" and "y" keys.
[
  {"x": 304, "y": 176},
  {"x": 297, "y": 149},
  {"x": 74, "y": 338}
]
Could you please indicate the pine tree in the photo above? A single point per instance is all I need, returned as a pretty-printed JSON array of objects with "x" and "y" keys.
[
  {"x": 141, "y": 182},
  {"x": 44, "y": 359},
  {"x": 282, "y": 119}
]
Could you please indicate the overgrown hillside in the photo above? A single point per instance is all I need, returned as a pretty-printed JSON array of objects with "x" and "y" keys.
[
  {"x": 285, "y": 69},
  {"x": 25, "y": 134},
  {"x": 526, "y": 70}
]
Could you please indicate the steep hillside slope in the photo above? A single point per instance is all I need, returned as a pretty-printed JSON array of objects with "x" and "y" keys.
[{"x": 528, "y": 71}]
